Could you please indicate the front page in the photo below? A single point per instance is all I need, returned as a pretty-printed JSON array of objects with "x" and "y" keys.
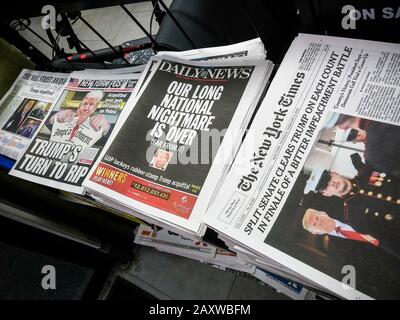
[
  {"x": 74, "y": 133},
  {"x": 25, "y": 106},
  {"x": 157, "y": 149},
  {"x": 315, "y": 185},
  {"x": 248, "y": 50}
]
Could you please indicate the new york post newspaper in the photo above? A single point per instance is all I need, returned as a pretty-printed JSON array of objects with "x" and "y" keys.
[{"x": 74, "y": 132}]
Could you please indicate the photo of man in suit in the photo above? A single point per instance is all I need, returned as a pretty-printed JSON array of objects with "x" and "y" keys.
[
  {"x": 40, "y": 110},
  {"x": 83, "y": 115},
  {"x": 372, "y": 192},
  {"x": 18, "y": 117},
  {"x": 382, "y": 150},
  {"x": 28, "y": 128},
  {"x": 343, "y": 210},
  {"x": 355, "y": 226},
  {"x": 319, "y": 222},
  {"x": 371, "y": 206},
  {"x": 161, "y": 159}
]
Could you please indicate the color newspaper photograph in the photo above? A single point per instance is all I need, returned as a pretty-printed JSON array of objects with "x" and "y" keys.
[
  {"x": 80, "y": 119},
  {"x": 19, "y": 116},
  {"x": 344, "y": 207}
]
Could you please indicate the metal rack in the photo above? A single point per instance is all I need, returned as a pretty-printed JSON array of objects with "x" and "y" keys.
[{"x": 108, "y": 57}]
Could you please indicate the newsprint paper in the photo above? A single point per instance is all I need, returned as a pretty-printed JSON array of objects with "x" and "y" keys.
[
  {"x": 170, "y": 242},
  {"x": 161, "y": 162},
  {"x": 24, "y": 107},
  {"x": 315, "y": 185},
  {"x": 250, "y": 50},
  {"x": 247, "y": 50},
  {"x": 75, "y": 131}
]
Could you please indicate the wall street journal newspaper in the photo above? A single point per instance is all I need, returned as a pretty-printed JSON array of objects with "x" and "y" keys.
[
  {"x": 162, "y": 154},
  {"x": 315, "y": 185},
  {"x": 25, "y": 106},
  {"x": 75, "y": 131}
]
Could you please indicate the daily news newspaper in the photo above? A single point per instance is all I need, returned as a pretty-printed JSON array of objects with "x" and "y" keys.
[
  {"x": 24, "y": 107},
  {"x": 160, "y": 161},
  {"x": 75, "y": 131},
  {"x": 315, "y": 185}
]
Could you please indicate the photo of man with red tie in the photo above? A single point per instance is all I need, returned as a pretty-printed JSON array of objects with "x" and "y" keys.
[
  {"x": 320, "y": 223},
  {"x": 342, "y": 210},
  {"x": 371, "y": 207},
  {"x": 83, "y": 114}
]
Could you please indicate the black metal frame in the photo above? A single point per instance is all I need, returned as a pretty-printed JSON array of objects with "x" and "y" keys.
[{"x": 98, "y": 58}]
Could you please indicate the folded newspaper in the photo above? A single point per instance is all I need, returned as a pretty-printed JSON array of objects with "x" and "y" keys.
[
  {"x": 170, "y": 242},
  {"x": 159, "y": 164},
  {"x": 75, "y": 130},
  {"x": 24, "y": 107},
  {"x": 248, "y": 50},
  {"x": 314, "y": 191}
]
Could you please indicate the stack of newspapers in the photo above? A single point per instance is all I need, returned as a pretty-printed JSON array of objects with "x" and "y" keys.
[
  {"x": 314, "y": 194},
  {"x": 153, "y": 142},
  {"x": 171, "y": 242},
  {"x": 66, "y": 134},
  {"x": 25, "y": 106},
  {"x": 301, "y": 180},
  {"x": 175, "y": 141},
  {"x": 220, "y": 258}
]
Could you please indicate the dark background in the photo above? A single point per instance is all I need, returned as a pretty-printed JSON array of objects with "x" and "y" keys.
[{"x": 376, "y": 271}]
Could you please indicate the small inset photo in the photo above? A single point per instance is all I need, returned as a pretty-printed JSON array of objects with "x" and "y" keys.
[
  {"x": 161, "y": 159},
  {"x": 19, "y": 116},
  {"x": 28, "y": 128},
  {"x": 40, "y": 110}
]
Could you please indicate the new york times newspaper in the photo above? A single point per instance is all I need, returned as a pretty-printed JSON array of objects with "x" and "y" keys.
[
  {"x": 161, "y": 160},
  {"x": 73, "y": 134},
  {"x": 25, "y": 106},
  {"x": 315, "y": 185}
]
